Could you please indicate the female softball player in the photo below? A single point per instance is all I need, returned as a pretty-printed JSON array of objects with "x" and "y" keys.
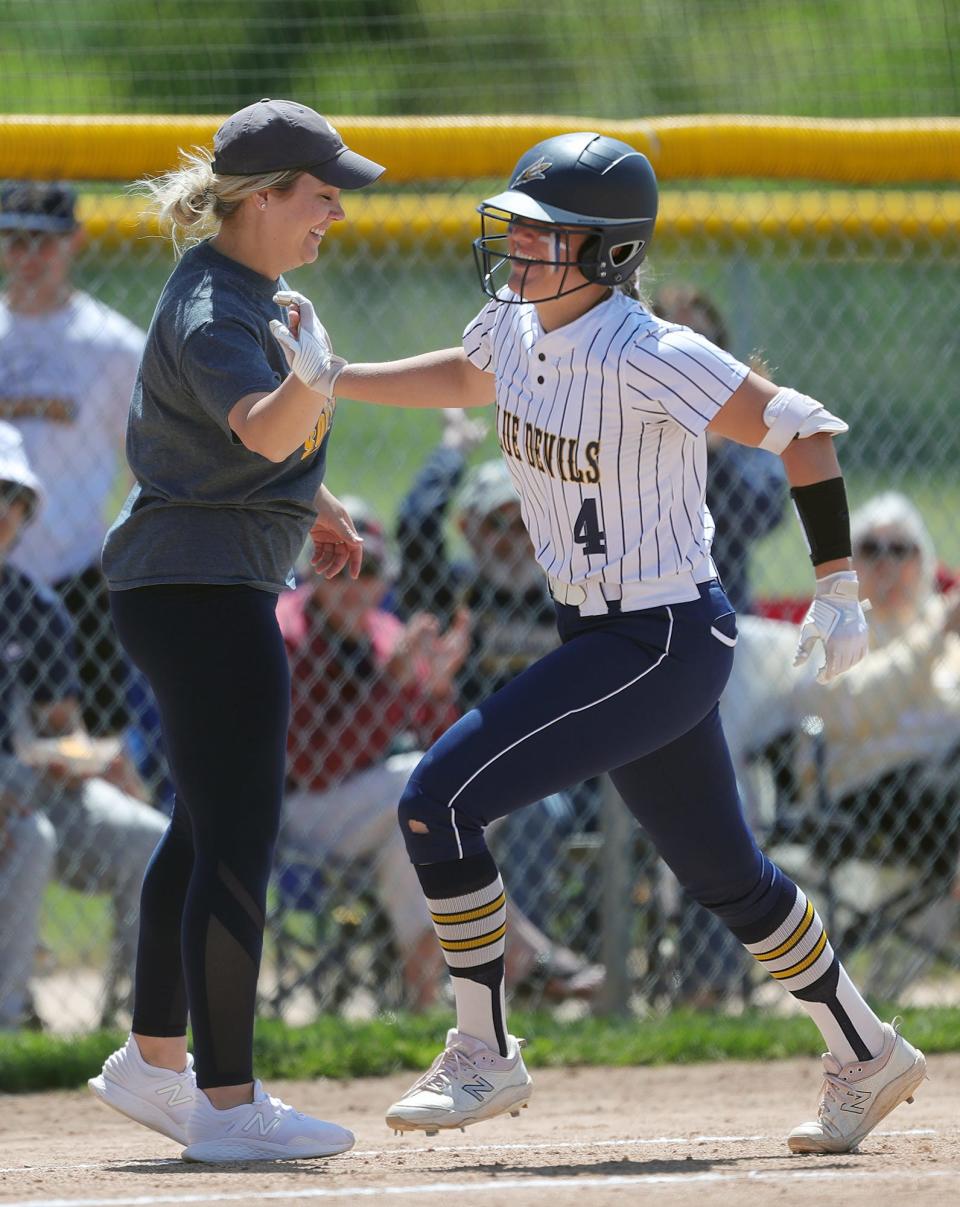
[
  {"x": 228, "y": 451},
  {"x": 602, "y": 410}
]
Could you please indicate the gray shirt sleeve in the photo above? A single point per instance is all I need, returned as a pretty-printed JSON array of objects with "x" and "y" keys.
[{"x": 222, "y": 362}]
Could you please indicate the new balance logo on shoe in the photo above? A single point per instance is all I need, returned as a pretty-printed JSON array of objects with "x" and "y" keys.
[
  {"x": 264, "y": 1126},
  {"x": 477, "y": 1089},
  {"x": 857, "y": 1100},
  {"x": 174, "y": 1093}
]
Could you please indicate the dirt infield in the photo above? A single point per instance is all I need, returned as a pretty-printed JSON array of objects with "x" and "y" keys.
[{"x": 708, "y": 1135}]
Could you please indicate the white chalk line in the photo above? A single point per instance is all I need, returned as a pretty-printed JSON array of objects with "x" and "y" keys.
[
  {"x": 656, "y": 1141},
  {"x": 504, "y": 1185}
]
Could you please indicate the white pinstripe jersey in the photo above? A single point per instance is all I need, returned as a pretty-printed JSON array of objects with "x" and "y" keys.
[{"x": 602, "y": 425}]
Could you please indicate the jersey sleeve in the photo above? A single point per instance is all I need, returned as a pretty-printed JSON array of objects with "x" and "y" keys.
[
  {"x": 222, "y": 362},
  {"x": 477, "y": 338},
  {"x": 681, "y": 375}
]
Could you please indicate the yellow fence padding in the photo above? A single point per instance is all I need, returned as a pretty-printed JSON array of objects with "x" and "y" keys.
[
  {"x": 379, "y": 221},
  {"x": 856, "y": 152}
]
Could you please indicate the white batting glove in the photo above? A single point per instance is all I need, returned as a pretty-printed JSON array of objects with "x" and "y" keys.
[
  {"x": 836, "y": 618},
  {"x": 309, "y": 353}
]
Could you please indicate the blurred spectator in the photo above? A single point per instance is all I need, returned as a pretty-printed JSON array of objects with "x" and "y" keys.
[
  {"x": 876, "y": 774},
  {"x": 69, "y": 365},
  {"x": 428, "y": 577},
  {"x": 746, "y": 487},
  {"x": 891, "y": 726},
  {"x": 513, "y": 623},
  {"x": 56, "y": 806},
  {"x": 366, "y": 688}
]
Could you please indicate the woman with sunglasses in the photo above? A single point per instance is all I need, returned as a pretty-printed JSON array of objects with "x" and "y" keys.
[
  {"x": 228, "y": 449},
  {"x": 892, "y": 725},
  {"x": 601, "y": 414}
]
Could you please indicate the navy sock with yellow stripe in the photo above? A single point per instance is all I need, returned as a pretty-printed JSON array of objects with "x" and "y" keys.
[
  {"x": 469, "y": 911},
  {"x": 783, "y": 932}
]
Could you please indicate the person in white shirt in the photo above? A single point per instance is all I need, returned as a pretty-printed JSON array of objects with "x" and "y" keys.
[
  {"x": 69, "y": 366},
  {"x": 602, "y": 413}
]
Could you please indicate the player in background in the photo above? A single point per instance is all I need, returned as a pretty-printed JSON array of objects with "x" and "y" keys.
[
  {"x": 229, "y": 452},
  {"x": 601, "y": 411}
]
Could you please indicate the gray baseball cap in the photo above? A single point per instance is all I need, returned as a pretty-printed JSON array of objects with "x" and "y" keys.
[
  {"x": 486, "y": 488},
  {"x": 277, "y": 136}
]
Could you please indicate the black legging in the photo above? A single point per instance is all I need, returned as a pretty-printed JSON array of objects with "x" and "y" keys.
[{"x": 216, "y": 662}]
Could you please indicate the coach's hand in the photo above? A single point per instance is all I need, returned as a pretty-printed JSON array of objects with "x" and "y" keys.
[
  {"x": 836, "y": 617},
  {"x": 306, "y": 344},
  {"x": 336, "y": 542}
]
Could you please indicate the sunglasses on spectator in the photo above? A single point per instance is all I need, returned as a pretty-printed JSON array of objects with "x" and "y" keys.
[{"x": 897, "y": 551}]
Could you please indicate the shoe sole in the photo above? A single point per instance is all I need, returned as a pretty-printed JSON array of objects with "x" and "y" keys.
[
  {"x": 513, "y": 1100},
  {"x": 900, "y": 1090},
  {"x": 124, "y": 1103},
  {"x": 217, "y": 1152}
]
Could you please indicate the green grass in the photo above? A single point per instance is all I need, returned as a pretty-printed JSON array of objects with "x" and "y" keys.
[
  {"x": 335, "y": 1048},
  {"x": 75, "y": 927},
  {"x": 615, "y": 58}
]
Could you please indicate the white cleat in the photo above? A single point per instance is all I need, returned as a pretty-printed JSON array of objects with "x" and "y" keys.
[
  {"x": 855, "y": 1097},
  {"x": 158, "y": 1098},
  {"x": 263, "y": 1130},
  {"x": 467, "y": 1082}
]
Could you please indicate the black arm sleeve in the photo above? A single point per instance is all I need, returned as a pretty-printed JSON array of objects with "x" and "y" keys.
[{"x": 825, "y": 518}]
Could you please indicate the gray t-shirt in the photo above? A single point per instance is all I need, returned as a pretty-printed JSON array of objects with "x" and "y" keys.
[{"x": 205, "y": 509}]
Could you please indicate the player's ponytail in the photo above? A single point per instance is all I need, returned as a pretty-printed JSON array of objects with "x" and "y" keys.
[
  {"x": 635, "y": 286},
  {"x": 192, "y": 200}
]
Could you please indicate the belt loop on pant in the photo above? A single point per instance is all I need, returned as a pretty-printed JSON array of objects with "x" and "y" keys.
[
  {"x": 571, "y": 594},
  {"x": 613, "y": 594}
]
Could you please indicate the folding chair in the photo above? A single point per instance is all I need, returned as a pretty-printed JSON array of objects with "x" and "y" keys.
[
  {"x": 329, "y": 938},
  {"x": 880, "y": 864}
]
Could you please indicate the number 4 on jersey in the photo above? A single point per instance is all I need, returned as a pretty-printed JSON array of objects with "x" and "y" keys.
[{"x": 586, "y": 529}]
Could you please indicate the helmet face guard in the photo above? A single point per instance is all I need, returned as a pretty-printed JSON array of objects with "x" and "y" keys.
[
  {"x": 578, "y": 183},
  {"x": 608, "y": 256}
]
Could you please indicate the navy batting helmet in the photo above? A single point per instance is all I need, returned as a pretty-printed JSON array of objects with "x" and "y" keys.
[{"x": 574, "y": 182}]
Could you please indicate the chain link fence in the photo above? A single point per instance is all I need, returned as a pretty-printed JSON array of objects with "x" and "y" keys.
[{"x": 854, "y": 788}]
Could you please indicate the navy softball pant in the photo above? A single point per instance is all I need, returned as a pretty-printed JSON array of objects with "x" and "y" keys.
[
  {"x": 216, "y": 661},
  {"x": 633, "y": 694}
]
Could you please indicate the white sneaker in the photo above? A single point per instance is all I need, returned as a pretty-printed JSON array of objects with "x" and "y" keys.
[
  {"x": 855, "y": 1097},
  {"x": 157, "y": 1098},
  {"x": 466, "y": 1083},
  {"x": 263, "y": 1130}
]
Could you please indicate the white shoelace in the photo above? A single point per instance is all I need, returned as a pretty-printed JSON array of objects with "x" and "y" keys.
[
  {"x": 451, "y": 1064},
  {"x": 282, "y": 1108},
  {"x": 834, "y": 1092}
]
